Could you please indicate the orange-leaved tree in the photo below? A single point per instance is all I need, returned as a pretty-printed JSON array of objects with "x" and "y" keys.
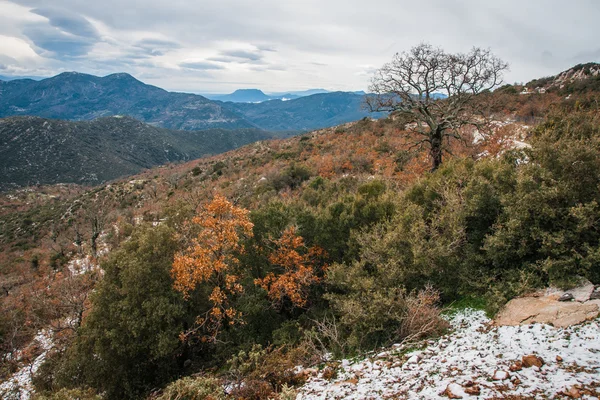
[
  {"x": 211, "y": 259},
  {"x": 298, "y": 266}
]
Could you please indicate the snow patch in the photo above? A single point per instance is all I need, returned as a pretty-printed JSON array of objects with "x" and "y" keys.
[
  {"x": 468, "y": 360},
  {"x": 19, "y": 385}
]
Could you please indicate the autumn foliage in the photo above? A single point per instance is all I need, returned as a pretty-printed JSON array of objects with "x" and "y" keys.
[
  {"x": 298, "y": 264},
  {"x": 211, "y": 258}
]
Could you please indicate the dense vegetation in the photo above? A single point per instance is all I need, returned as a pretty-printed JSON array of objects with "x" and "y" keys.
[{"x": 236, "y": 268}]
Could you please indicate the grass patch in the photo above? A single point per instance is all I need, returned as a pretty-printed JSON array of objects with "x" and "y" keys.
[{"x": 476, "y": 303}]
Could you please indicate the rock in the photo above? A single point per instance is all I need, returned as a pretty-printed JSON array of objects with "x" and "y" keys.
[
  {"x": 473, "y": 390},
  {"x": 532, "y": 360},
  {"x": 582, "y": 292},
  {"x": 559, "y": 359},
  {"x": 500, "y": 375},
  {"x": 414, "y": 359},
  {"x": 517, "y": 366},
  {"x": 595, "y": 294},
  {"x": 594, "y": 301},
  {"x": 573, "y": 393},
  {"x": 566, "y": 297},
  {"x": 527, "y": 310},
  {"x": 454, "y": 391},
  {"x": 516, "y": 381}
]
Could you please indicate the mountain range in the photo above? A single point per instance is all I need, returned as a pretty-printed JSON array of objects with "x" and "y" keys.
[
  {"x": 305, "y": 113},
  {"x": 252, "y": 96},
  {"x": 75, "y": 96},
  {"x": 36, "y": 150},
  {"x": 258, "y": 96}
]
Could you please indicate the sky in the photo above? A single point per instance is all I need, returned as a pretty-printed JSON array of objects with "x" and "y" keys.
[{"x": 283, "y": 45}]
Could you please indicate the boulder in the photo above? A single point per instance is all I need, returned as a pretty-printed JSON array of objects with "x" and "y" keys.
[
  {"x": 582, "y": 292},
  {"x": 566, "y": 297},
  {"x": 527, "y": 310}
]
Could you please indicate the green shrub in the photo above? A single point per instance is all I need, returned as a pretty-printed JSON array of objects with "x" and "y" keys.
[
  {"x": 129, "y": 342},
  {"x": 69, "y": 394},
  {"x": 195, "y": 388},
  {"x": 291, "y": 177}
]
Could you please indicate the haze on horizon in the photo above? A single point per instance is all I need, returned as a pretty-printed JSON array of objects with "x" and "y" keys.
[{"x": 220, "y": 46}]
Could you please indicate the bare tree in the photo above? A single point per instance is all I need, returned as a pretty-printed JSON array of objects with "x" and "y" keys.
[{"x": 436, "y": 90}]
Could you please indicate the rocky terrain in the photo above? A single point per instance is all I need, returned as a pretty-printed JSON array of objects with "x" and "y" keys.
[{"x": 582, "y": 78}]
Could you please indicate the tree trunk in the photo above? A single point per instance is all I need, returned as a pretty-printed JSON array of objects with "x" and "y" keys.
[{"x": 436, "y": 148}]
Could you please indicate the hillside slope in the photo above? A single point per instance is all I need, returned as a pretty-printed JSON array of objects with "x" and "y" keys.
[
  {"x": 35, "y": 150},
  {"x": 582, "y": 78}
]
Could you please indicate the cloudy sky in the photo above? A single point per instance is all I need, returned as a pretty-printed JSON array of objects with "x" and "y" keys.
[{"x": 278, "y": 45}]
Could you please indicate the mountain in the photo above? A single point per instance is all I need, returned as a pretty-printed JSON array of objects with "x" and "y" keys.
[
  {"x": 12, "y": 78},
  {"x": 75, "y": 96},
  {"x": 581, "y": 78},
  {"x": 36, "y": 150},
  {"x": 258, "y": 96},
  {"x": 305, "y": 113},
  {"x": 243, "y": 96}
]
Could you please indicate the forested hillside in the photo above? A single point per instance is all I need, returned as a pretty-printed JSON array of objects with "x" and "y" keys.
[{"x": 37, "y": 151}]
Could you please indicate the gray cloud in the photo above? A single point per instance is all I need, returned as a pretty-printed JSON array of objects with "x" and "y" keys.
[
  {"x": 201, "y": 65},
  {"x": 66, "y": 34},
  {"x": 293, "y": 44},
  {"x": 243, "y": 54},
  {"x": 156, "y": 47},
  {"x": 68, "y": 21},
  {"x": 53, "y": 42}
]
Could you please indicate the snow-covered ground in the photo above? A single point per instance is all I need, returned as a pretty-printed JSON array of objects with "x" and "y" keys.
[
  {"x": 19, "y": 385},
  {"x": 477, "y": 358}
]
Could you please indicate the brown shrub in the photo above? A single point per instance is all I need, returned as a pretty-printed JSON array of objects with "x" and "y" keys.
[{"x": 422, "y": 316}]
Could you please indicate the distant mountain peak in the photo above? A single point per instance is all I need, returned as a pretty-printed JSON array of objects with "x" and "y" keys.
[
  {"x": 120, "y": 75},
  {"x": 68, "y": 74},
  {"x": 244, "y": 96},
  {"x": 256, "y": 91}
]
